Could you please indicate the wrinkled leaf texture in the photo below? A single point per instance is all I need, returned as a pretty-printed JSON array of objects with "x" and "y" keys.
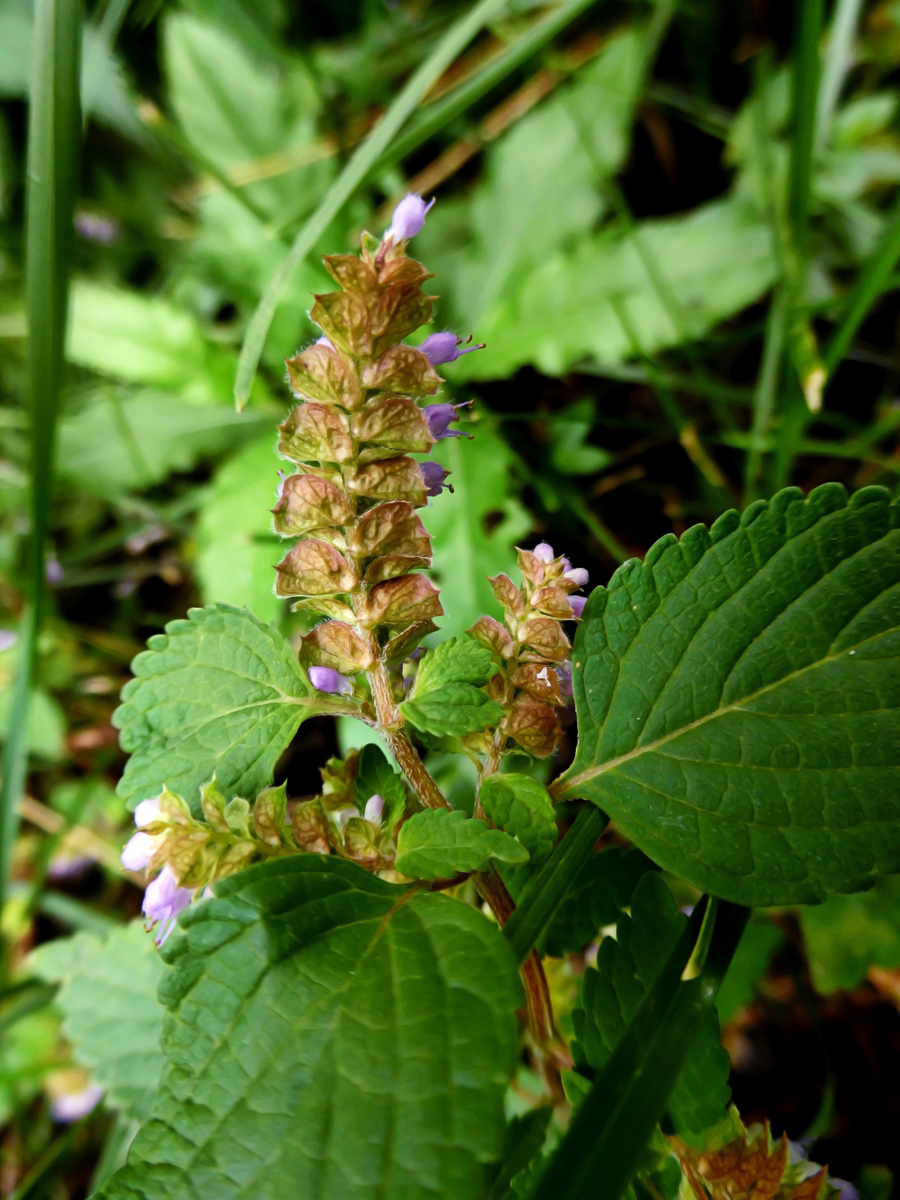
[
  {"x": 738, "y": 698},
  {"x": 330, "y": 1036},
  {"x": 440, "y": 842},
  {"x": 220, "y": 693}
]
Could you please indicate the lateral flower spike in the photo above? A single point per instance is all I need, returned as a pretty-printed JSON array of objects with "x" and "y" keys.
[
  {"x": 534, "y": 682},
  {"x": 350, "y": 504}
]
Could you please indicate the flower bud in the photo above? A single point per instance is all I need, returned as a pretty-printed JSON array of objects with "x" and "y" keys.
[
  {"x": 147, "y": 812},
  {"x": 446, "y": 347},
  {"x": 408, "y": 218},
  {"x": 326, "y": 679},
  {"x": 544, "y": 551},
  {"x": 577, "y": 603},
  {"x": 164, "y": 900},
  {"x": 578, "y": 575},
  {"x": 434, "y": 475},
  {"x": 374, "y": 809},
  {"x": 138, "y": 851},
  {"x": 347, "y": 814}
]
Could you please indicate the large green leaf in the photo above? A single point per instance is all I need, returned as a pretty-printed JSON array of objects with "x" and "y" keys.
[
  {"x": 237, "y": 550},
  {"x": 474, "y": 527},
  {"x": 330, "y": 1036},
  {"x": 714, "y": 262},
  {"x": 111, "y": 1014},
  {"x": 439, "y": 842},
  {"x": 738, "y": 699},
  {"x": 220, "y": 693},
  {"x": 627, "y": 967},
  {"x": 124, "y": 441}
]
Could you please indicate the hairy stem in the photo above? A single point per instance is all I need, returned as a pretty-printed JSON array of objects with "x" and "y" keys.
[{"x": 404, "y": 752}]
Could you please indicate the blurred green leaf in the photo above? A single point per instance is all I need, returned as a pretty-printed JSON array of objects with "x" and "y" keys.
[
  {"x": 751, "y": 960},
  {"x": 28, "y": 1050},
  {"x": 126, "y": 441},
  {"x": 236, "y": 549},
  {"x": 848, "y": 934},
  {"x": 474, "y": 528},
  {"x": 567, "y": 433},
  {"x": 111, "y": 1014},
  {"x": 716, "y": 261},
  {"x": 46, "y": 726}
]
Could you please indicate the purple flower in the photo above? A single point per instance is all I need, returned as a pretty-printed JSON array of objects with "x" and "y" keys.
[
  {"x": 8, "y": 638},
  {"x": 95, "y": 228},
  {"x": 438, "y": 418},
  {"x": 544, "y": 551},
  {"x": 577, "y": 603},
  {"x": 137, "y": 852},
  {"x": 433, "y": 475},
  {"x": 72, "y": 1106},
  {"x": 408, "y": 218},
  {"x": 164, "y": 900},
  {"x": 446, "y": 347},
  {"x": 578, "y": 575},
  {"x": 325, "y": 679},
  {"x": 374, "y": 809},
  {"x": 564, "y": 678}
]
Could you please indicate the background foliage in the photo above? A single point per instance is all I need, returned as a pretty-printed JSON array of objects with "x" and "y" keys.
[{"x": 612, "y": 215}]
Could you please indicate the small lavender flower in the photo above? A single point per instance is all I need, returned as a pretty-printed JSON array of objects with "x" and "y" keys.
[
  {"x": 434, "y": 475},
  {"x": 146, "y": 813},
  {"x": 564, "y": 678},
  {"x": 577, "y": 604},
  {"x": 137, "y": 852},
  {"x": 408, "y": 218},
  {"x": 325, "y": 679},
  {"x": 96, "y": 228},
  {"x": 75, "y": 1105},
  {"x": 374, "y": 809},
  {"x": 438, "y": 417},
  {"x": 446, "y": 347},
  {"x": 544, "y": 551},
  {"x": 164, "y": 900},
  {"x": 8, "y": 638},
  {"x": 578, "y": 575}
]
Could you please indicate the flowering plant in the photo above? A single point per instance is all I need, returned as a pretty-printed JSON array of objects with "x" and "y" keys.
[{"x": 349, "y": 974}]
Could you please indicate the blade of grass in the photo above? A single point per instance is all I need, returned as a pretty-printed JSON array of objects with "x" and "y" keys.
[
  {"x": 360, "y": 164},
  {"x": 808, "y": 15},
  {"x": 764, "y": 394},
  {"x": 837, "y": 62},
  {"x": 544, "y": 894},
  {"x": 54, "y": 135},
  {"x": 440, "y": 114},
  {"x": 611, "y": 1129},
  {"x": 872, "y": 282}
]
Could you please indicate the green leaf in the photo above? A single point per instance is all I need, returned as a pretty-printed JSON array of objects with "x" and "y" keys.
[
  {"x": 452, "y": 710},
  {"x": 474, "y": 528},
  {"x": 598, "y": 894},
  {"x": 148, "y": 340},
  {"x": 738, "y": 699},
  {"x": 218, "y": 694},
  {"x": 522, "y": 807},
  {"x": 441, "y": 842},
  {"x": 848, "y": 934},
  {"x": 567, "y": 433},
  {"x": 111, "y": 1014},
  {"x": 236, "y": 549},
  {"x": 123, "y": 442},
  {"x": 717, "y": 260},
  {"x": 751, "y": 959},
  {"x": 45, "y": 730},
  {"x": 525, "y": 1136},
  {"x": 376, "y": 776},
  {"x": 329, "y": 1035},
  {"x": 627, "y": 967},
  {"x": 460, "y": 660}
]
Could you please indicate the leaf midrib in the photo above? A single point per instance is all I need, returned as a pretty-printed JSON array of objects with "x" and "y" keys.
[{"x": 567, "y": 786}]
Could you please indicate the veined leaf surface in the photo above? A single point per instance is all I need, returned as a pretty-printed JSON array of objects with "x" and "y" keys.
[
  {"x": 738, "y": 699},
  {"x": 330, "y": 1036},
  {"x": 218, "y": 694}
]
